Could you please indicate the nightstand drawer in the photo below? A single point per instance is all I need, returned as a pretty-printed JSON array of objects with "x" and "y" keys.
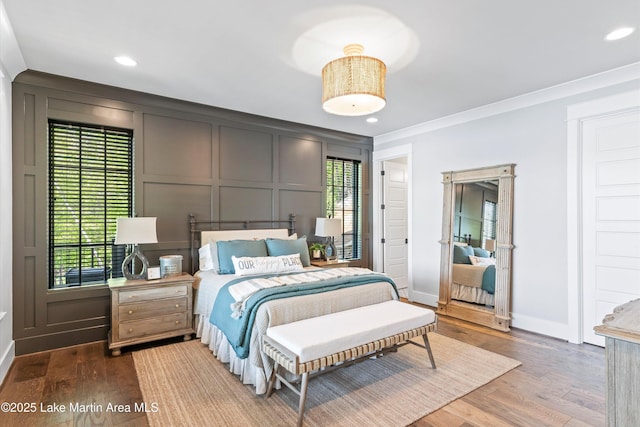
[
  {"x": 155, "y": 325},
  {"x": 152, "y": 293},
  {"x": 142, "y": 310}
]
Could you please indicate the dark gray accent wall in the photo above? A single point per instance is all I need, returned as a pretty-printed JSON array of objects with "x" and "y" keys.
[{"x": 189, "y": 158}]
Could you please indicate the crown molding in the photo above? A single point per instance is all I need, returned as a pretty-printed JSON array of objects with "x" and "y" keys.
[{"x": 574, "y": 87}]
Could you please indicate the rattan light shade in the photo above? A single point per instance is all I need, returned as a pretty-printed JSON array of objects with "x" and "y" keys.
[{"x": 353, "y": 85}]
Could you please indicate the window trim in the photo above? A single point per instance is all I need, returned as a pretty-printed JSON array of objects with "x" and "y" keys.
[
  {"x": 112, "y": 137},
  {"x": 357, "y": 233}
]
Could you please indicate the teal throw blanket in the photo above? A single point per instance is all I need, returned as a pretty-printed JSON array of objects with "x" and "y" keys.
[
  {"x": 489, "y": 279},
  {"x": 238, "y": 331}
]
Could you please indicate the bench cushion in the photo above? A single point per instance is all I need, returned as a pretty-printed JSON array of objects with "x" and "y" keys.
[{"x": 321, "y": 336}]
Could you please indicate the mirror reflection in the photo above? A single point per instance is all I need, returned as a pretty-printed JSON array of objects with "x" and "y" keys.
[{"x": 473, "y": 270}]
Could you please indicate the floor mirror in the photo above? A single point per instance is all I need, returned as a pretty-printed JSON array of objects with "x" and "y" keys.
[{"x": 477, "y": 245}]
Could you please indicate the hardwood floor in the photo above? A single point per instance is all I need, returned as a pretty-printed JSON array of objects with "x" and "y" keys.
[{"x": 558, "y": 384}]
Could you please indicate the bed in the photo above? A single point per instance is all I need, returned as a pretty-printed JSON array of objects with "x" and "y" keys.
[
  {"x": 472, "y": 275},
  {"x": 249, "y": 362}
]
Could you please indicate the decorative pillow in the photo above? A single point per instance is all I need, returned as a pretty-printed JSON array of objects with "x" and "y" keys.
[
  {"x": 476, "y": 260},
  {"x": 270, "y": 264},
  {"x": 482, "y": 253},
  {"x": 239, "y": 248},
  {"x": 461, "y": 254},
  {"x": 277, "y": 247},
  {"x": 206, "y": 258}
]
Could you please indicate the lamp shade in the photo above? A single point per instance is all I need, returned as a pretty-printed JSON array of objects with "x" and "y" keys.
[
  {"x": 490, "y": 245},
  {"x": 328, "y": 227},
  {"x": 354, "y": 84},
  {"x": 136, "y": 231}
]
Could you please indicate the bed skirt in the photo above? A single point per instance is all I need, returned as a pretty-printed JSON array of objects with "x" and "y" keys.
[
  {"x": 471, "y": 294},
  {"x": 256, "y": 369}
]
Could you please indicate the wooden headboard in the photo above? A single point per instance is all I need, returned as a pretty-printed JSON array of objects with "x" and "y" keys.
[{"x": 196, "y": 228}]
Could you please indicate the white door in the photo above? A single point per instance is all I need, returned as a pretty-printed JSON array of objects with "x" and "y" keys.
[
  {"x": 611, "y": 216},
  {"x": 395, "y": 223}
]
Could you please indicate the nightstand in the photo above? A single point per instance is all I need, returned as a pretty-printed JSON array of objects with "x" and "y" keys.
[
  {"x": 143, "y": 311},
  {"x": 330, "y": 264}
]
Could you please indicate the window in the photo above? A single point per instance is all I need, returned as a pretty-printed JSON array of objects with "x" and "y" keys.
[
  {"x": 90, "y": 185},
  {"x": 489, "y": 220},
  {"x": 344, "y": 188}
]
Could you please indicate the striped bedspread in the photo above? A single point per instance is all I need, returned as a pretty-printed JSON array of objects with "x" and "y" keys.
[{"x": 237, "y": 322}]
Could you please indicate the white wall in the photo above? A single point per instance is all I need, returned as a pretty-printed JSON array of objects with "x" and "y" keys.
[
  {"x": 7, "y": 352},
  {"x": 534, "y": 137},
  {"x": 11, "y": 63}
]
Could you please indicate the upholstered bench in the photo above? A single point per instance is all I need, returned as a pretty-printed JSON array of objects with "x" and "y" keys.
[{"x": 320, "y": 344}]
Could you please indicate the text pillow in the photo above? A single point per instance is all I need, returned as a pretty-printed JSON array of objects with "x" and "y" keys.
[
  {"x": 265, "y": 265},
  {"x": 476, "y": 260}
]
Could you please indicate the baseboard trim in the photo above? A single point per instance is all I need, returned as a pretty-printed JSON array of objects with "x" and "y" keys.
[
  {"x": 423, "y": 298},
  {"x": 520, "y": 321},
  {"x": 7, "y": 359},
  {"x": 38, "y": 343},
  {"x": 540, "y": 326}
]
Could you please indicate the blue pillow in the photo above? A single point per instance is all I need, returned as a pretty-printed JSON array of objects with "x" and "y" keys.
[
  {"x": 481, "y": 253},
  {"x": 277, "y": 247},
  {"x": 461, "y": 254},
  {"x": 239, "y": 248}
]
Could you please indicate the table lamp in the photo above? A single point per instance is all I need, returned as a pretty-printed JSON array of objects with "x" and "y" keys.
[
  {"x": 329, "y": 228},
  {"x": 135, "y": 231},
  {"x": 490, "y": 245}
]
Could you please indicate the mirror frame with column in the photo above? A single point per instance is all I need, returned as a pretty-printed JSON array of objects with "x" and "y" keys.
[{"x": 500, "y": 317}]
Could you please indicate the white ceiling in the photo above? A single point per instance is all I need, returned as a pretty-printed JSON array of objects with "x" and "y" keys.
[{"x": 458, "y": 55}]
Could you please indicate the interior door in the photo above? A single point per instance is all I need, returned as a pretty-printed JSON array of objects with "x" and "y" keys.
[
  {"x": 611, "y": 216},
  {"x": 395, "y": 224}
]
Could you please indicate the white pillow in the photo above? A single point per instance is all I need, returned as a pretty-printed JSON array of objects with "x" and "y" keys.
[
  {"x": 476, "y": 260},
  {"x": 206, "y": 258},
  {"x": 268, "y": 264}
]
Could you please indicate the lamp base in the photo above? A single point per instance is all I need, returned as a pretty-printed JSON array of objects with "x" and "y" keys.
[
  {"x": 128, "y": 265},
  {"x": 331, "y": 253}
]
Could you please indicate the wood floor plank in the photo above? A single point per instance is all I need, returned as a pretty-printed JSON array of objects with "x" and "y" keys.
[{"x": 557, "y": 384}]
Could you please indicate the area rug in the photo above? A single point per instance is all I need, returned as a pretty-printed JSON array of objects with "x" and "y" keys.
[{"x": 190, "y": 387}]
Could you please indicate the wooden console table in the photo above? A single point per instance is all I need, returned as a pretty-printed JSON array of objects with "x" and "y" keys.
[{"x": 621, "y": 330}]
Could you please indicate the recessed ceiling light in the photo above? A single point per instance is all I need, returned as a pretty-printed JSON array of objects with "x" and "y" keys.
[
  {"x": 372, "y": 120},
  {"x": 125, "y": 60},
  {"x": 620, "y": 33}
]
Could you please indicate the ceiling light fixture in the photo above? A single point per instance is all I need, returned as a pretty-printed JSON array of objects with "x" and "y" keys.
[
  {"x": 125, "y": 60},
  {"x": 620, "y": 33},
  {"x": 354, "y": 84}
]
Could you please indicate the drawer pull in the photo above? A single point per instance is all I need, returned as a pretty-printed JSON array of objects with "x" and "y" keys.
[
  {"x": 130, "y": 330},
  {"x": 177, "y": 305},
  {"x": 130, "y": 311},
  {"x": 130, "y": 296},
  {"x": 177, "y": 321}
]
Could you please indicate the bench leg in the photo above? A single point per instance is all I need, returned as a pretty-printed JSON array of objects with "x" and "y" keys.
[
  {"x": 303, "y": 397},
  {"x": 272, "y": 380},
  {"x": 428, "y": 347}
]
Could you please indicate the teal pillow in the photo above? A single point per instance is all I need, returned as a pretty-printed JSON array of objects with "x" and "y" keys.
[
  {"x": 481, "y": 253},
  {"x": 239, "y": 248},
  {"x": 277, "y": 247},
  {"x": 461, "y": 254}
]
